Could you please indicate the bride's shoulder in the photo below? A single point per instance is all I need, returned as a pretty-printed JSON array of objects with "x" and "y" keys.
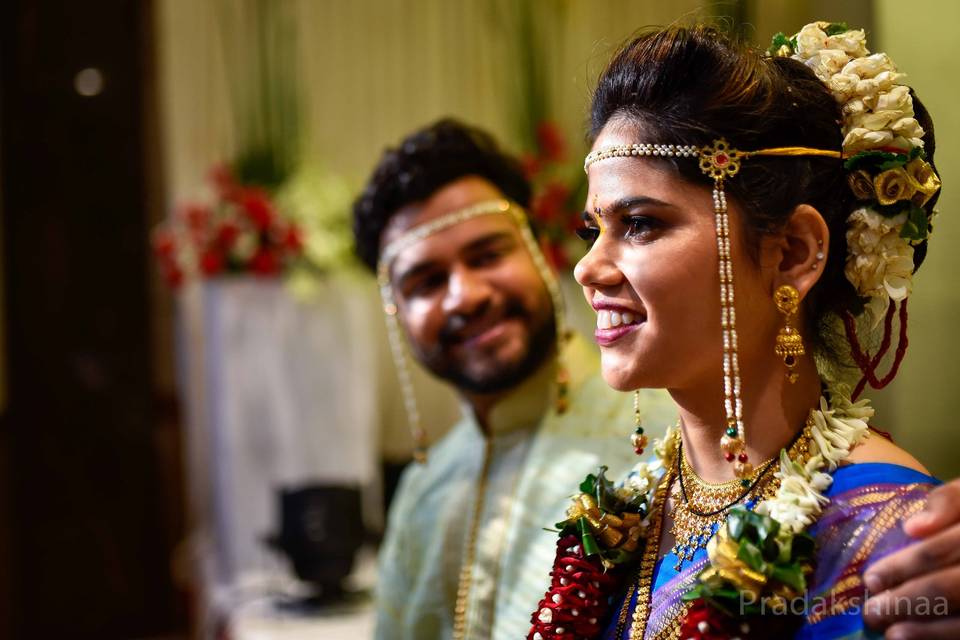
[{"x": 877, "y": 448}]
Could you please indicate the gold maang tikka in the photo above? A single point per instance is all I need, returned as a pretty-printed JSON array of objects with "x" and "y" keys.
[
  {"x": 718, "y": 161},
  {"x": 418, "y": 233}
]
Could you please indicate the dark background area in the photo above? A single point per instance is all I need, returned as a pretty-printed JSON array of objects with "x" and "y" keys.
[{"x": 89, "y": 452}]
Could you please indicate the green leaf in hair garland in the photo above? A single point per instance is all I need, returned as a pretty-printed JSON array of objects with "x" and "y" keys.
[
  {"x": 836, "y": 28},
  {"x": 779, "y": 41},
  {"x": 917, "y": 226},
  {"x": 877, "y": 160}
]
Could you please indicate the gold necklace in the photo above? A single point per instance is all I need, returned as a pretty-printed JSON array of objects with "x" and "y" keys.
[
  {"x": 701, "y": 507},
  {"x": 466, "y": 577},
  {"x": 648, "y": 560},
  {"x": 643, "y": 586}
]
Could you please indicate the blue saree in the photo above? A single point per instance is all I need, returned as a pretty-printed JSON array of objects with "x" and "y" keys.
[{"x": 862, "y": 523}]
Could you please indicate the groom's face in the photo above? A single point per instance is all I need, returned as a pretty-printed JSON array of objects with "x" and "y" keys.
[{"x": 470, "y": 298}]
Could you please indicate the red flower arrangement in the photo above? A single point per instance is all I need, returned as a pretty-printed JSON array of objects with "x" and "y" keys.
[
  {"x": 241, "y": 232},
  {"x": 553, "y": 209},
  {"x": 577, "y": 603}
]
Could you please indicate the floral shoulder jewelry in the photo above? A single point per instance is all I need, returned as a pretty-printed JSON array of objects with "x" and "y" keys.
[{"x": 761, "y": 557}]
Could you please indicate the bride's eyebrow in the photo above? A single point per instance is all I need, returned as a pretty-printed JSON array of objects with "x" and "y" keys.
[{"x": 627, "y": 202}]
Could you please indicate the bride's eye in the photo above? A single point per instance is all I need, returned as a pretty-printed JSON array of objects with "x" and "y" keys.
[
  {"x": 588, "y": 234},
  {"x": 639, "y": 227}
]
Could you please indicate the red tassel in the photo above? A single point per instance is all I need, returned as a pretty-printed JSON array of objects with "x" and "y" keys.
[{"x": 869, "y": 365}]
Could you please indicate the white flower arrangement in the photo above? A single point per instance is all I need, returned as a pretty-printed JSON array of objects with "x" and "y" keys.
[
  {"x": 835, "y": 430},
  {"x": 878, "y": 115},
  {"x": 881, "y": 262}
]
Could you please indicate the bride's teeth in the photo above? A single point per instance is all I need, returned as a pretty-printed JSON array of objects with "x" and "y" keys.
[
  {"x": 627, "y": 317},
  {"x": 603, "y": 320},
  {"x": 614, "y": 319}
]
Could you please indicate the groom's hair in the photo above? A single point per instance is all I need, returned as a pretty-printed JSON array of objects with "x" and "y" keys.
[{"x": 421, "y": 164}]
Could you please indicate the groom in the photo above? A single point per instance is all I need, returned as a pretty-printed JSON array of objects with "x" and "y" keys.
[{"x": 465, "y": 555}]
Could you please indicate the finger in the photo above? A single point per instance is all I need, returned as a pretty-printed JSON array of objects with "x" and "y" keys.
[
  {"x": 942, "y": 510},
  {"x": 938, "y": 552},
  {"x": 936, "y": 594},
  {"x": 934, "y": 629}
]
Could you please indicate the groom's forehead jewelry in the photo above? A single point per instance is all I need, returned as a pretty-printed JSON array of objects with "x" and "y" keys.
[
  {"x": 718, "y": 161},
  {"x": 425, "y": 230}
]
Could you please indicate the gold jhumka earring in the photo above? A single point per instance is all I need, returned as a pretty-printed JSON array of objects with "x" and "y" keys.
[
  {"x": 718, "y": 161},
  {"x": 789, "y": 341},
  {"x": 394, "y": 334}
]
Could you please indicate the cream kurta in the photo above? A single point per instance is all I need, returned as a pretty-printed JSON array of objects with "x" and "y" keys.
[{"x": 534, "y": 457}]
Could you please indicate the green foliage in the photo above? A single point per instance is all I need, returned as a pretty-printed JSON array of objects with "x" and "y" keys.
[
  {"x": 836, "y": 28},
  {"x": 779, "y": 41},
  {"x": 765, "y": 548},
  {"x": 259, "y": 39},
  {"x": 604, "y": 492},
  {"x": 876, "y": 161},
  {"x": 917, "y": 226}
]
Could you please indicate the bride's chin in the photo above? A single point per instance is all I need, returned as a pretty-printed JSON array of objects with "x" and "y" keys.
[{"x": 619, "y": 378}]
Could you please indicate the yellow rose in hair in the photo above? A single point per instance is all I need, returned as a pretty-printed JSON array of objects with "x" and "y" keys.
[
  {"x": 923, "y": 179},
  {"x": 862, "y": 185},
  {"x": 892, "y": 186}
]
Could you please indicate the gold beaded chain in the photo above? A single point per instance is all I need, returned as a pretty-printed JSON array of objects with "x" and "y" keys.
[
  {"x": 799, "y": 451},
  {"x": 701, "y": 507},
  {"x": 651, "y": 551},
  {"x": 465, "y": 578}
]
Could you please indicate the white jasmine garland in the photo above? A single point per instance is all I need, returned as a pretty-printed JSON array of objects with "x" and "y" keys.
[
  {"x": 877, "y": 114},
  {"x": 879, "y": 261},
  {"x": 835, "y": 430}
]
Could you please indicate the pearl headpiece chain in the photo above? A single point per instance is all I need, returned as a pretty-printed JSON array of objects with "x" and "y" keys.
[
  {"x": 394, "y": 334},
  {"x": 718, "y": 161}
]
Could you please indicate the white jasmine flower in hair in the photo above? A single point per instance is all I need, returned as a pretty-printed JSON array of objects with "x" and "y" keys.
[
  {"x": 852, "y": 108},
  {"x": 895, "y": 99},
  {"x": 853, "y": 43},
  {"x": 827, "y": 62},
  {"x": 862, "y": 139},
  {"x": 908, "y": 127},
  {"x": 811, "y": 39},
  {"x": 879, "y": 261},
  {"x": 870, "y": 66},
  {"x": 886, "y": 80},
  {"x": 875, "y": 121},
  {"x": 835, "y": 432},
  {"x": 843, "y": 86}
]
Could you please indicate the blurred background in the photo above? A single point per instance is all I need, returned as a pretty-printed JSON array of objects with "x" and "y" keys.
[{"x": 192, "y": 365}]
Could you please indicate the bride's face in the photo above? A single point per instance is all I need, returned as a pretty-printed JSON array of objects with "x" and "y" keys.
[{"x": 652, "y": 275}]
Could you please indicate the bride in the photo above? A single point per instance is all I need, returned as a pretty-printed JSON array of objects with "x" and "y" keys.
[{"x": 754, "y": 222}]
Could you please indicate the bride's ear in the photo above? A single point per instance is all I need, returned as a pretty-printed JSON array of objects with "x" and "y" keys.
[{"x": 798, "y": 253}]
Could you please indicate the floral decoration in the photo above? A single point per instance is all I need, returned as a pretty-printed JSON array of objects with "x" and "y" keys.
[
  {"x": 241, "y": 231},
  {"x": 762, "y": 557},
  {"x": 883, "y": 147}
]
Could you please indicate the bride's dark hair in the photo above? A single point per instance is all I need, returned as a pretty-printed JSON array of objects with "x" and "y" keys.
[{"x": 693, "y": 85}]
